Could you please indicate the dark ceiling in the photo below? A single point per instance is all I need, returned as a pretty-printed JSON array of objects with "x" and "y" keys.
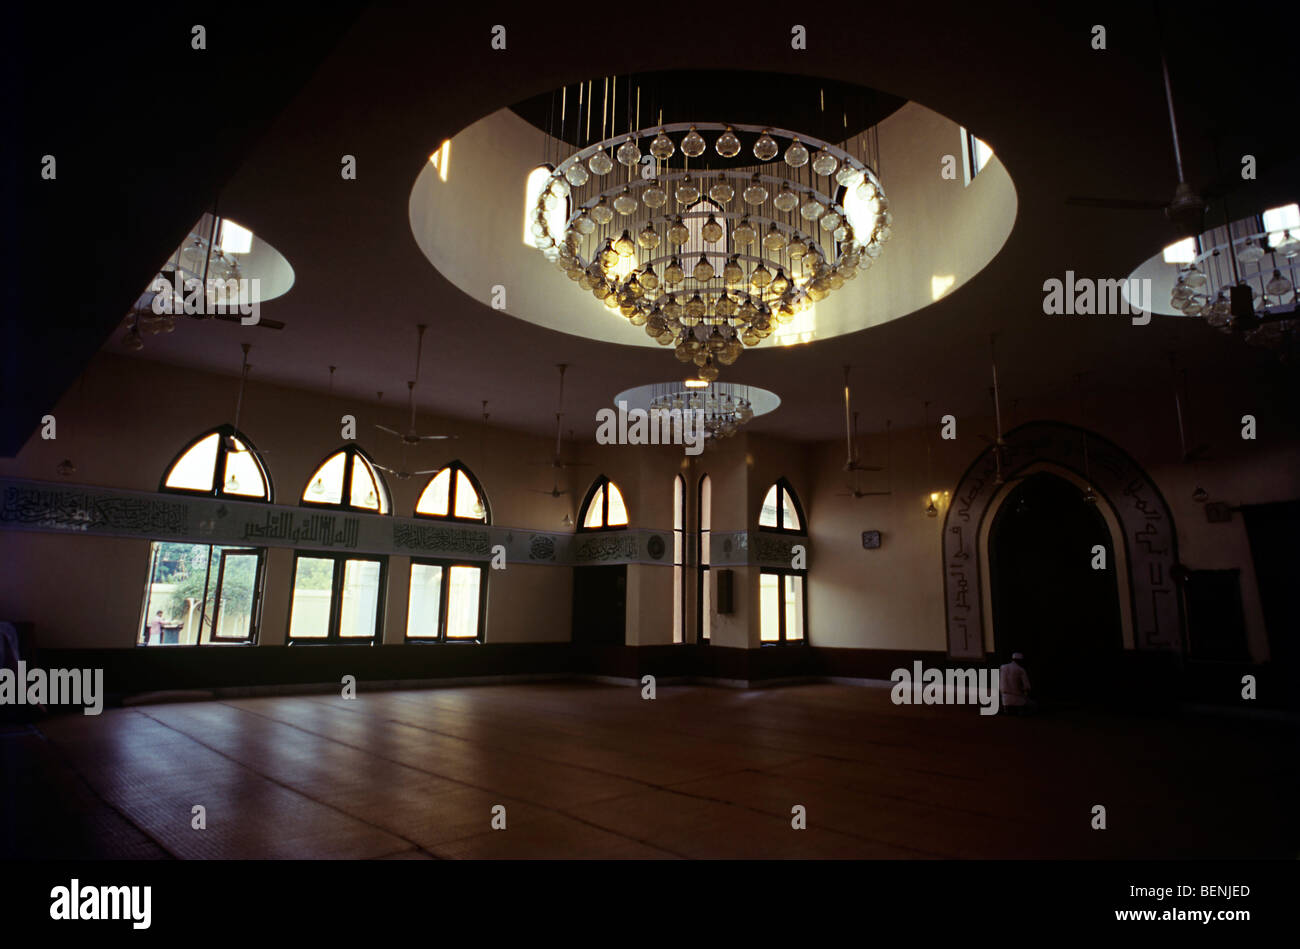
[
  {"x": 832, "y": 111},
  {"x": 148, "y": 133}
]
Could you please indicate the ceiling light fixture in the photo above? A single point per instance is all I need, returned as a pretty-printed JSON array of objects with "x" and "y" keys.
[
  {"x": 1242, "y": 277},
  {"x": 726, "y": 407},
  {"x": 697, "y": 277}
]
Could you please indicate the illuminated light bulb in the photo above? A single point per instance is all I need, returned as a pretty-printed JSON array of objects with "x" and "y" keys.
[
  {"x": 732, "y": 273},
  {"x": 866, "y": 191},
  {"x": 761, "y": 276},
  {"x": 232, "y": 483},
  {"x": 786, "y": 200},
  {"x": 577, "y": 174},
  {"x": 849, "y": 177},
  {"x": 712, "y": 230},
  {"x": 721, "y": 191},
  {"x": 775, "y": 239},
  {"x": 1250, "y": 253},
  {"x": 648, "y": 237},
  {"x": 318, "y": 487},
  {"x": 744, "y": 234},
  {"x": 611, "y": 300},
  {"x": 695, "y": 307},
  {"x": 608, "y": 255},
  {"x": 649, "y": 279},
  {"x": 703, "y": 269},
  {"x": 674, "y": 310},
  {"x": 625, "y": 204},
  {"x": 624, "y": 245},
  {"x": 824, "y": 163},
  {"x": 584, "y": 224},
  {"x": 727, "y": 145},
  {"x": 796, "y": 156},
  {"x": 674, "y": 273},
  {"x": 654, "y": 196},
  {"x": 781, "y": 283},
  {"x": 628, "y": 154},
  {"x": 812, "y": 209},
  {"x": 602, "y": 213},
  {"x": 688, "y": 191},
  {"x": 1278, "y": 286},
  {"x": 678, "y": 232},
  {"x": 639, "y": 318},
  {"x": 600, "y": 163},
  {"x": 682, "y": 353},
  {"x": 830, "y": 220},
  {"x": 662, "y": 146},
  {"x": 755, "y": 193},
  {"x": 693, "y": 144},
  {"x": 765, "y": 149},
  {"x": 796, "y": 248}
]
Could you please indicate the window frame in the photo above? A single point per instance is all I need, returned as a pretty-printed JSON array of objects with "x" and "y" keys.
[
  {"x": 679, "y": 558},
  {"x": 444, "y": 602},
  {"x": 255, "y": 608},
  {"x": 783, "y": 485},
  {"x": 781, "y": 573},
  {"x": 601, "y": 484},
  {"x": 343, "y": 504},
  {"x": 703, "y": 564},
  {"x": 222, "y": 432},
  {"x": 332, "y": 637},
  {"x": 455, "y": 466}
]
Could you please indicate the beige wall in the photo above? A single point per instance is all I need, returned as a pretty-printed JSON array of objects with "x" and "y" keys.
[
  {"x": 892, "y": 598},
  {"x": 87, "y": 591}
]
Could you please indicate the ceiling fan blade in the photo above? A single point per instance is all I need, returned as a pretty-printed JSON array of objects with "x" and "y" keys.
[
  {"x": 1116, "y": 204},
  {"x": 390, "y": 431},
  {"x": 433, "y": 438},
  {"x": 264, "y": 324},
  {"x": 426, "y": 471}
]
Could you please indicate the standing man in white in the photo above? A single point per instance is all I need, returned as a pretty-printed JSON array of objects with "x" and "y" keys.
[{"x": 1013, "y": 681}]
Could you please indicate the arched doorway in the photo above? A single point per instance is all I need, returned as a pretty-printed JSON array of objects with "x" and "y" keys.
[{"x": 1048, "y": 601}]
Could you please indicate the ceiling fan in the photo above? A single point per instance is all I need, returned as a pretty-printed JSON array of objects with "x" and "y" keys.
[
  {"x": 851, "y": 462},
  {"x": 857, "y": 491},
  {"x": 556, "y": 461},
  {"x": 411, "y": 437},
  {"x": 1186, "y": 210}
]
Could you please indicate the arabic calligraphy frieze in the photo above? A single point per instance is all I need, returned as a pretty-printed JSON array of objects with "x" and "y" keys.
[
  {"x": 1147, "y": 527},
  {"x": 621, "y": 547},
  {"x": 437, "y": 538},
  {"x": 40, "y": 507}
]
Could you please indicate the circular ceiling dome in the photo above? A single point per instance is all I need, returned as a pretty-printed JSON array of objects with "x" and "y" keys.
[{"x": 581, "y": 166}]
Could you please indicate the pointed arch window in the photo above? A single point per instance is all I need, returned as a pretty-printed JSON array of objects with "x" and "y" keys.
[
  {"x": 603, "y": 508},
  {"x": 347, "y": 479},
  {"x": 679, "y": 559},
  {"x": 221, "y": 462},
  {"x": 454, "y": 494},
  {"x": 781, "y": 510}
]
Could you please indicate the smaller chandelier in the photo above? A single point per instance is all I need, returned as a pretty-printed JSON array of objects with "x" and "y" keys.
[
  {"x": 1242, "y": 277},
  {"x": 726, "y": 407}
]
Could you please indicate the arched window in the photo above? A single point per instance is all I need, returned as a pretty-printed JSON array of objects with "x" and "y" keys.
[
  {"x": 201, "y": 594},
  {"x": 219, "y": 463},
  {"x": 704, "y": 523},
  {"x": 455, "y": 494},
  {"x": 781, "y": 510},
  {"x": 347, "y": 479},
  {"x": 782, "y": 610},
  {"x": 603, "y": 507}
]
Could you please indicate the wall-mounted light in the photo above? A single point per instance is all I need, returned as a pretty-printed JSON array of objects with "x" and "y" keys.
[{"x": 932, "y": 509}]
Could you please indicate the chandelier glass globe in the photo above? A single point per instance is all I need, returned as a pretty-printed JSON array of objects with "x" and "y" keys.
[
  {"x": 600, "y": 163},
  {"x": 765, "y": 149},
  {"x": 693, "y": 144},
  {"x": 727, "y": 145}
]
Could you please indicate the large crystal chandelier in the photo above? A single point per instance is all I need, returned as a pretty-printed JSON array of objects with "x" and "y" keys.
[
  {"x": 1241, "y": 277},
  {"x": 710, "y": 260}
]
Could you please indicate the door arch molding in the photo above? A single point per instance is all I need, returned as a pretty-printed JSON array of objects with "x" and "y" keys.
[{"x": 1143, "y": 524}]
